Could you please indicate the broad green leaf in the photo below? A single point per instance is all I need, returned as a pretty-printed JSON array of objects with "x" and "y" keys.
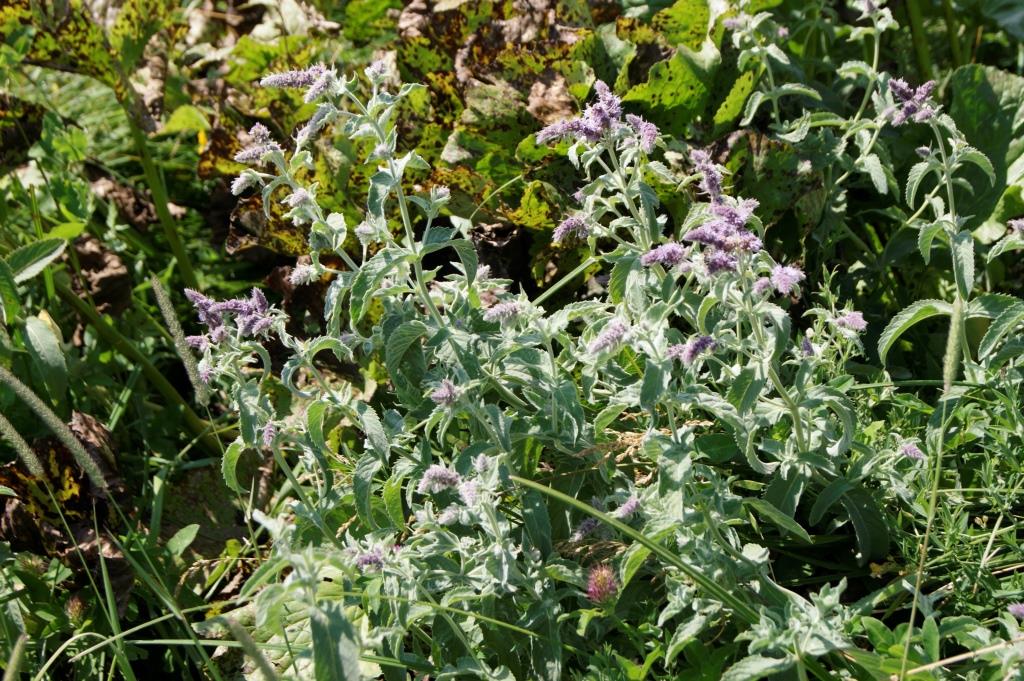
[
  {"x": 963, "y": 263},
  {"x": 655, "y": 383},
  {"x": 186, "y": 118},
  {"x": 369, "y": 279},
  {"x": 917, "y": 173},
  {"x": 756, "y": 667},
  {"x": 46, "y": 352},
  {"x": 868, "y": 523},
  {"x": 676, "y": 92},
  {"x": 537, "y": 522},
  {"x": 1007, "y": 14},
  {"x": 926, "y": 236},
  {"x": 10, "y": 305},
  {"x": 375, "y": 436},
  {"x": 619, "y": 277},
  {"x": 769, "y": 512},
  {"x": 1003, "y": 324},
  {"x": 362, "y": 487},
  {"x": 686, "y": 23},
  {"x": 336, "y": 647},
  {"x": 182, "y": 539},
  {"x": 909, "y": 316},
  {"x": 872, "y": 165},
  {"x": 229, "y": 465},
  {"x": 31, "y": 259},
  {"x": 828, "y": 497}
]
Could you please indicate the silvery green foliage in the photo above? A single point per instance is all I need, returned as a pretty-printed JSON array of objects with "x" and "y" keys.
[{"x": 692, "y": 331}]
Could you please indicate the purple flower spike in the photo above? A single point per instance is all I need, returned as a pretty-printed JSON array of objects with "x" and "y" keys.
[
  {"x": 597, "y": 119},
  {"x": 711, "y": 176},
  {"x": 762, "y": 286},
  {"x": 502, "y": 312},
  {"x": 602, "y": 584},
  {"x": 646, "y": 132},
  {"x": 586, "y": 526},
  {"x": 784, "y": 278},
  {"x": 666, "y": 255},
  {"x": 628, "y": 508},
  {"x": 1016, "y": 226},
  {"x": 911, "y": 103},
  {"x": 1016, "y": 609},
  {"x": 446, "y": 394},
  {"x": 610, "y": 336},
  {"x": 912, "y": 451},
  {"x": 303, "y": 78},
  {"x": 688, "y": 352},
  {"x": 719, "y": 261},
  {"x": 437, "y": 479},
  {"x": 573, "y": 227},
  {"x": 851, "y": 320},
  {"x": 370, "y": 561}
]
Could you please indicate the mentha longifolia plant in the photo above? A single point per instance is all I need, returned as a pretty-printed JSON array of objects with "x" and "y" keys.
[{"x": 531, "y": 476}]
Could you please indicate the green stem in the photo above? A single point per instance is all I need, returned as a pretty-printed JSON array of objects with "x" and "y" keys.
[
  {"x": 951, "y": 361},
  {"x": 951, "y": 29},
  {"x": 159, "y": 190},
  {"x": 580, "y": 269},
  {"x": 917, "y": 34}
]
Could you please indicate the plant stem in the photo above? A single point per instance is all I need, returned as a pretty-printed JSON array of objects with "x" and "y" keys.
[
  {"x": 921, "y": 51},
  {"x": 951, "y": 29}
]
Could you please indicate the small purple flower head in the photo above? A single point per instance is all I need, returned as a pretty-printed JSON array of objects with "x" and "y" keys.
[
  {"x": 1016, "y": 609},
  {"x": 911, "y": 451},
  {"x": 785, "y": 278},
  {"x": 597, "y": 119},
  {"x": 243, "y": 182},
  {"x": 446, "y": 394},
  {"x": 911, "y": 103},
  {"x": 303, "y": 78},
  {"x": 646, "y": 132},
  {"x": 482, "y": 463},
  {"x": 923, "y": 152},
  {"x": 762, "y": 286},
  {"x": 628, "y": 508},
  {"x": 602, "y": 585},
  {"x": 370, "y": 561},
  {"x": 269, "y": 433},
  {"x": 261, "y": 145},
  {"x": 578, "y": 196},
  {"x": 319, "y": 87},
  {"x": 376, "y": 71},
  {"x": 666, "y": 255},
  {"x": 199, "y": 343},
  {"x": 611, "y": 335},
  {"x": 437, "y": 479},
  {"x": 1016, "y": 226},
  {"x": 851, "y": 320},
  {"x": 806, "y": 347},
  {"x": 297, "y": 198},
  {"x": 303, "y": 274},
  {"x": 502, "y": 312},
  {"x": 720, "y": 261},
  {"x": 469, "y": 492},
  {"x": 688, "y": 352},
  {"x": 711, "y": 175},
  {"x": 782, "y": 32},
  {"x": 573, "y": 226},
  {"x": 586, "y": 526}
]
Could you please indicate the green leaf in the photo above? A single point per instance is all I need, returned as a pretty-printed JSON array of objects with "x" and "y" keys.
[
  {"x": 828, "y": 497},
  {"x": 676, "y": 92},
  {"x": 537, "y": 522},
  {"x": 632, "y": 561},
  {"x": 619, "y": 277},
  {"x": 369, "y": 279},
  {"x": 45, "y": 349},
  {"x": 872, "y": 165},
  {"x": 229, "y": 464},
  {"x": 10, "y": 305},
  {"x": 769, "y": 512},
  {"x": 963, "y": 263},
  {"x": 972, "y": 155},
  {"x": 868, "y": 523},
  {"x": 917, "y": 173},
  {"x": 392, "y": 495},
  {"x": 1003, "y": 324},
  {"x": 362, "y": 487},
  {"x": 375, "y": 436},
  {"x": 336, "y": 647},
  {"x": 756, "y": 667},
  {"x": 182, "y": 539},
  {"x": 746, "y": 388},
  {"x": 31, "y": 259},
  {"x": 186, "y": 118},
  {"x": 926, "y": 236},
  {"x": 930, "y": 639},
  {"x": 655, "y": 383},
  {"x": 912, "y": 314}
]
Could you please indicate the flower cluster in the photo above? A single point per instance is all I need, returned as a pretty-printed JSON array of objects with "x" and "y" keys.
[
  {"x": 598, "y": 119},
  {"x": 602, "y": 585},
  {"x": 252, "y": 316},
  {"x": 261, "y": 145},
  {"x": 573, "y": 226},
  {"x": 667, "y": 255},
  {"x": 688, "y": 352},
  {"x": 911, "y": 103},
  {"x": 613, "y": 333},
  {"x": 437, "y": 479}
]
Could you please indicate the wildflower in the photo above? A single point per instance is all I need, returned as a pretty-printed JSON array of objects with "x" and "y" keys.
[
  {"x": 628, "y": 508},
  {"x": 726, "y": 231},
  {"x": 782, "y": 32},
  {"x": 573, "y": 226},
  {"x": 784, "y": 278},
  {"x": 806, "y": 348},
  {"x": 597, "y": 119},
  {"x": 762, "y": 286},
  {"x": 1016, "y": 609},
  {"x": 610, "y": 336},
  {"x": 911, "y": 103},
  {"x": 269, "y": 433},
  {"x": 911, "y": 451},
  {"x": 711, "y": 175},
  {"x": 302, "y": 274},
  {"x": 446, "y": 394},
  {"x": 666, "y": 255},
  {"x": 376, "y": 71},
  {"x": 321, "y": 86},
  {"x": 243, "y": 182},
  {"x": 482, "y": 463},
  {"x": 205, "y": 371},
  {"x": 1016, "y": 226},
  {"x": 261, "y": 145},
  {"x": 469, "y": 492},
  {"x": 586, "y": 526},
  {"x": 204, "y": 309},
  {"x": 502, "y": 311},
  {"x": 448, "y": 516},
  {"x": 199, "y": 343},
  {"x": 923, "y": 152},
  {"x": 688, "y": 352},
  {"x": 851, "y": 320},
  {"x": 646, "y": 132},
  {"x": 370, "y": 561},
  {"x": 437, "y": 479},
  {"x": 303, "y": 78},
  {"x": 297, "y": 198},
  {"x": 602, "y": 584},
  {"x": 719, "y": 261},
  {"x": 320, "y": 118},
  {"x": 578, "y": 196}
]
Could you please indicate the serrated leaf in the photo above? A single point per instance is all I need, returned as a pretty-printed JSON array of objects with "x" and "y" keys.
[
  {"x": 655, "y": 382},
  {"x": 369, "y": 279},
  {"x": 362, "y": 487},
  {"x": 926, "y": 236},
  {"x": 963, "y": 262},
  {"x": 872, "y": 165},
  {"x": 1003, "y": 324},
  {"x": 31, "y": 259},
  {"x": 973, "y": 156},
  {"x": 908, "y": 317},
  {"x": 917, "y": 173},
  {"x": 375, "y": 436},
  {"x": 618, "y": 278},
  {"x": 10, "y": 305},
  {"x": 229, "y": 465}
]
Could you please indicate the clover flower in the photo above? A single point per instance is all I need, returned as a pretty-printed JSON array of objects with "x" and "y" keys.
[
  {"x": 502, "y": 311},
  {"x": 598, "y": 118},
  {"x": 446, "y": 394},
  {"x": 646, "y": 132},
  {"x": 911, "y": 103},
  {"x": 666, "y": 255},
  {"x": 573, "y": 226},
  {"x": 784, "y": 278},
  {"x": 911, "y": 451},
  {"x": 628, "y": 508},
  {"x": 1016, "y": 609},
  {"x": 586, "y": 526},
  {"x": 437, "y": 479},
  {"x": 711, "y": 176},
  {"x": 610, "y": 336},
  {"x": 851, "y": 320},
  {"x": 602, "y": 585},
  {"x": 688, "y": 352}
]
